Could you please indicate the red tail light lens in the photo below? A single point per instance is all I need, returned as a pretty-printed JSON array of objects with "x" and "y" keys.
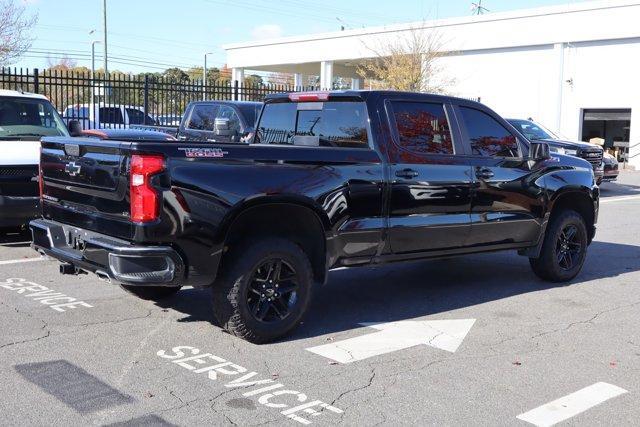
[{"x": 145, "y": 200}]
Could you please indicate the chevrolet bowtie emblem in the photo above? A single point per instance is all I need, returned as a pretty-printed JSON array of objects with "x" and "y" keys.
[{"x": 72, "y": 168}]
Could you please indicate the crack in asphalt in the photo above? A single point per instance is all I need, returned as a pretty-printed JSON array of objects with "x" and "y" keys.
[
  {"x": 587, "y": 321},
  {"x": 44, "y": 326},
  {"x": 564, "y": 328},
  {"x": 116, "y": 321},
  {"x": 353, "y": 390},
  {"x": 47, "y": 335},
  {"x": 78, "y": 328}
]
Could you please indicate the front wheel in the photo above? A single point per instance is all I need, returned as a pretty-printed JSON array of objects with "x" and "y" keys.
[
  {"x": 564, "y": 248},
  {"x": 263, "y": 290},
  {"x": 153, "y": 293}
]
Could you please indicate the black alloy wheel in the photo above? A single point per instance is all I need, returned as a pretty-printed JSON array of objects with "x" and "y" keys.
[
  {"x": 272, "y": 291},
  {"x": 564, "y": 248},
  {"x": 263, "y": 289},
  {"x": 568, "y": 247}
]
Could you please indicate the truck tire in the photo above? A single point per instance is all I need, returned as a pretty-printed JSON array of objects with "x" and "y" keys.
[
  {"x": 263, "y": 290},
  {"x": 152, "y": 293},
  {"x": 564, "y": 248}
]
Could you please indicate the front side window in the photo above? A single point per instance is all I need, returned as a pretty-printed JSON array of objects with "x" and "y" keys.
[
  {"x": 28, "y": 118},
  {"x": 203, "y": 117},
  {"x": 316, "y": 124},
  {"x": 422, "y": 127},
  {"x": 487, "y": 136}
]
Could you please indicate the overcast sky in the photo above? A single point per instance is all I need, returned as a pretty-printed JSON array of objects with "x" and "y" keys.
[{"x": 151, "y": 35}]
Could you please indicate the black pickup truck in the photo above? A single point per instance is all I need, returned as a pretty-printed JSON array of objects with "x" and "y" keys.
[{"x": 332, "y": 179}]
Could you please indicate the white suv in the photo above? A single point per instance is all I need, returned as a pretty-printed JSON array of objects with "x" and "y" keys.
[{"x": 24, "y": 119}]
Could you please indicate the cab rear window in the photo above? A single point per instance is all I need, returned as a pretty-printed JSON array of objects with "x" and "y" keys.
[{"x": 314, "y": 124}]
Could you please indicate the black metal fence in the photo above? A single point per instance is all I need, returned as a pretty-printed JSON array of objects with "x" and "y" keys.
[{"x": 119, "y": 100}]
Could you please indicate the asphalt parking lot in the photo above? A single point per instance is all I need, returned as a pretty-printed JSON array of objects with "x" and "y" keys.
[{"x": 466, "y": 341}]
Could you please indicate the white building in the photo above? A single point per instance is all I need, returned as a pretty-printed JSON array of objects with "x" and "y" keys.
[{"x": 574, "y": 68}]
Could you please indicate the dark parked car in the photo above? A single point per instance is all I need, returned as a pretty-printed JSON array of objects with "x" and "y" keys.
[
  {"x": 590, "y": 152},
  {"x": 610, "y": 168},
  {"x": 215, "y": 121},
  {"x": 332, "y": 179}
]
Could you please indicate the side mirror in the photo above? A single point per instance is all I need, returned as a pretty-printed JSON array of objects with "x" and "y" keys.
[
  {"x": 539, "y": 151},
  {"x": 221, "y": 127},
  {"x": 74, "y": 127}
]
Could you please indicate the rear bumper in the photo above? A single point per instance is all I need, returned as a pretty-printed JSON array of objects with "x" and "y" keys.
[
  {"x": 108, "y": 257},
  {"x": 18, "y": 211},
  {"x": 610, "y": 175}
]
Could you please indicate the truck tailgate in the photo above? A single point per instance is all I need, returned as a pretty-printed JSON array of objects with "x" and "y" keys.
[{"x": 85, "y": 182}]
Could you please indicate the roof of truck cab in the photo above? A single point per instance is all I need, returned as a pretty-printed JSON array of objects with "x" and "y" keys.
[
  {"x": 226, "y": 102},
  {"x": 364, "y": 94},
  {"x": 19, "y": 94}
]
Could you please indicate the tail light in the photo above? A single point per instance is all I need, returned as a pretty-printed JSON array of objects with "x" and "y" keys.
[
  {"x": 145, "y": 200},
  {"x": 309, "y": 96}
]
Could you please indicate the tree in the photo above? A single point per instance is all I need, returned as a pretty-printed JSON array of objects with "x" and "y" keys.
[
  {"x": 253, "y": 80},
  {"x": 409, "y": 63},
  {"x": 64, "y": 63},
  {"x": 15, "y": 30}
]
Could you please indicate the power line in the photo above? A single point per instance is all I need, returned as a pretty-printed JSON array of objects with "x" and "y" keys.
[{"x": 124, "y": 60}]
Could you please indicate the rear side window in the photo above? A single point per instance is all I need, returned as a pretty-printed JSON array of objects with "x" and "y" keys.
[
  {"x": 203, "y": 117},
  {"x": 136, "y": 117},
  {"x": 315, "y": 124},
  {"x": 487, "y": 136},
  {"x": 111, "y": 115},
  {"x": 77, "y": 113},
  {"x": 422, "y": 127}
]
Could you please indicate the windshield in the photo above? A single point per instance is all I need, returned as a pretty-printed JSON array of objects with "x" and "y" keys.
[
  {"x": 531, "y": 130},
  {"x": 29, "y": 119}
]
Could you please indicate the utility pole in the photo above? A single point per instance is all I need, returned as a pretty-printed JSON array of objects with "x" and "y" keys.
[
  {"x": 93, "y": 81},
  {"x": 104, "y": 21},
  {"x": 204, "y": 77}
]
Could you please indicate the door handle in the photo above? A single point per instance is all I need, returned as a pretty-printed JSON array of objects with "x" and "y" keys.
[
  {"x": 406, "y": 173},
  {"x": 484, "y": 173}
]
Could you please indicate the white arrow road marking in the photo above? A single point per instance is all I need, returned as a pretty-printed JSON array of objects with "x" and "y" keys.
[
  {"x": 443, "y": 334},
  {"x": 571, "y": 404}
]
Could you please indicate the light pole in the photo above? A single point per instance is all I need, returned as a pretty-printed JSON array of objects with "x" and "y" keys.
[
  {"x": 204, "y": 77},
  {"x": 104, "y": 24},
  {"x": 93, "y": 79}
]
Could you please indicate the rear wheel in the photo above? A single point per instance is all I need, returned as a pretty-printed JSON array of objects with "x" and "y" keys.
[
  {"x": 153, "y": 293},
  {"x": 564, "y": 248},
  {"x": 263, "y": 290}
]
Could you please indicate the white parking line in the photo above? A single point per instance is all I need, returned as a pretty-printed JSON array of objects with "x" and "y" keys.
[
  {"x": 571, "y": 404},
  {"x": 619, "y": 199},
  {"x": 19, "y": 261}
]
